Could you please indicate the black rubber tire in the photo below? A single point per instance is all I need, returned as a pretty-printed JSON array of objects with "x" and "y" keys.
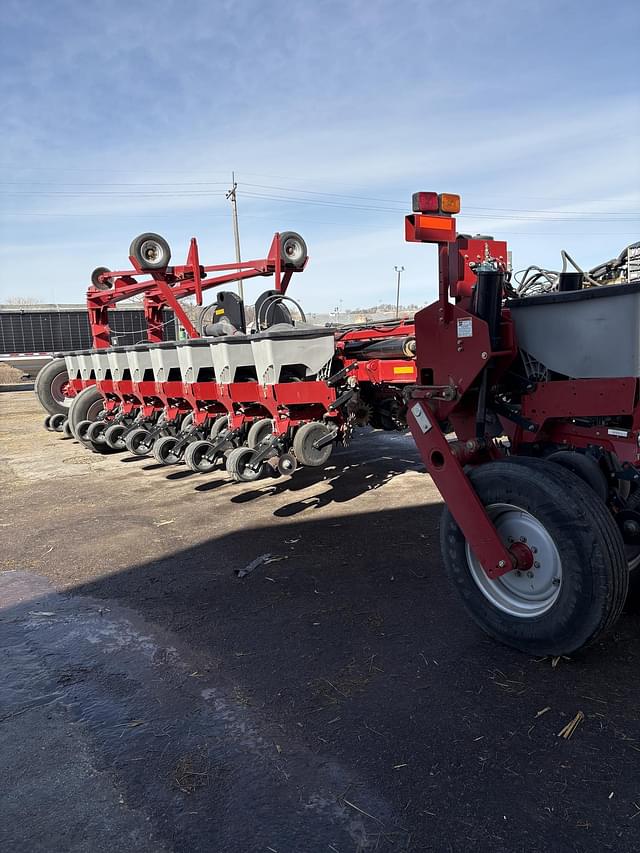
[
  {"x": 151, "y": 251},
  {"x": 46, "y": 422},
  {"x": 218, "y": 425},
  {"x": 293, "y": 249},
  {"x": 66, "y": 429},
  {"x": 48, "y": 387},
  {"x": 303, "y": 448},
  {"x": 258, "y": 431},
  {"x": 187, "y": 422},
  {"x": 137, "y": 442},
  {"x": 584, "y": 467},
  {"x": 95, "y": 433},
  {"x": 114, "y": 436},
  {"x": 80, "y": 431},
  {"x": 595, "y": 575},
  {"x": 195, "y": 460},
  {"x": 56, "y": 422},
  {"x": 162, "y": 448},
  {"x": 95, "y": 279},
  {"x": 85, "y": 406},
  {"x": 236, "y": 465}
]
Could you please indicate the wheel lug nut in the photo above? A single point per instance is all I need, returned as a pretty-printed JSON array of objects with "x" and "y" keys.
[
  {"x": 523, "y": 538},
  {"x": 536, "y": 565},
  {"x": 529, "y": 574},
  {"x": 556, "y": 581},
  {"x": 534, "y": 550}
]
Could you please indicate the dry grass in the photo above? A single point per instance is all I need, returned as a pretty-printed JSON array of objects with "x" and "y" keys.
[{"x": 9, "y": 375}]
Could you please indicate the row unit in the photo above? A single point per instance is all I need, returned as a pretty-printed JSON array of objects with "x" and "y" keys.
[{"x": 281, "y": 354}]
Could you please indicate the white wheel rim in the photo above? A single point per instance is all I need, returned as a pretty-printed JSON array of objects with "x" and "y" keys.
[
  {"x": 524, "y": 594},
  {"x": 151, "y": 251}
]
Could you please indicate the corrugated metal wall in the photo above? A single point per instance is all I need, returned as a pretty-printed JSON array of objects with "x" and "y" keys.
[{"x": 53, "y": 331}]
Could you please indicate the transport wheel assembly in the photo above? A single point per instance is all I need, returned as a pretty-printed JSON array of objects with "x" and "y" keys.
[
  {"x": 303, "y": 444},
  {"x": 50, "y": 386},
  {"x": 238, "y": 465},
  {"x": 293, "y": 249},
  {"x": 577, "y": 577},
  {"x": 162, "y": 448},
  {"x": 151, "y": 251},
  {"x": 95, "y": 279},
  {"x": 258, "y": 431},
  {"x": 196, "y": 459},
  {"x": 114, "y": 436},
  {"x": 139, "y": 442}
]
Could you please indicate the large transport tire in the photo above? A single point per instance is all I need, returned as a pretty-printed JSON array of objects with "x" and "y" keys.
[
  {"x": 577, "y": 541},
  {"x": 86, "y": 406},
  {"x": 151, "y": 251},
  {"x": 303, "y": 442},
  {"x": 583, "y": 466},
  {"x": 49, "y": 386},
  {"x": 258, "y": 431}
]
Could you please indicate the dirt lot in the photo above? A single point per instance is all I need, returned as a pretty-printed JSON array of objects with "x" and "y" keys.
[{"x": 335, "y": 699}]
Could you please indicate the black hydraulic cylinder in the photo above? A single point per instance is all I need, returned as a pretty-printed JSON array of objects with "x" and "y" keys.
[
  {"x": 488, "y": 302},
  {"x": 395, "y": 347}
]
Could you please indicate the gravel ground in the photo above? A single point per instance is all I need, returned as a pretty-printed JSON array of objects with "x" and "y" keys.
[{"x": 335, "y": 699}]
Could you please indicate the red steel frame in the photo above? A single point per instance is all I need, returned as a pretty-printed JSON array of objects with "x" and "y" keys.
[{"x": 453, "y": 349}]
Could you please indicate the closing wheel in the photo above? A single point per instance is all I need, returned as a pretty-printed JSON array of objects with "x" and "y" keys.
[
  {"x": 303, "y": 444},
  {"x": 162, "y": 448},
  {"x": 195, "y": 457},
  {"x": 66, "y": 429},
  {"x": 577, "y": 578},
  {"x": 151, "y": 251},
  {"x": 114, "y": 436},
  {"x": 293, "y": 249},
  {"x": 46, "y": 423},
  {"x": 50, "y": 387},
  {"x": 187, "y": 422},
  {"x": 96, "y": 432},
  {"x": 287, "y": 464},
  {"x": 238, "y": 465},
  {"x": 86, "y": 406},
  {"x": 258, "y": 431},
  {"x": 56, "y": 422},
  {"x": 139, "y": 442}
]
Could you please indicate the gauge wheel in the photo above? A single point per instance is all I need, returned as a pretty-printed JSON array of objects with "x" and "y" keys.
[
  {"x": 196, "y": 459},
  {"x": 237, "y": 465},
  {"x": 303, "y": 444}
]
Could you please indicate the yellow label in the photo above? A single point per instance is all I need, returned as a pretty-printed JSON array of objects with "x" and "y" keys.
[
  {"x": 219, "y": 311},
  {"x": 403, "y": 369}
]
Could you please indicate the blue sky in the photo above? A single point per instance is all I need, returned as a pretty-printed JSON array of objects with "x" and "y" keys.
[{"x": 124, "y": 117}]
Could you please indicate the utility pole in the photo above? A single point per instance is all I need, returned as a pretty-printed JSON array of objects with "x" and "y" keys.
[
  {"x": 399, "y": 270},
  {"x": 236, "y": 232}
]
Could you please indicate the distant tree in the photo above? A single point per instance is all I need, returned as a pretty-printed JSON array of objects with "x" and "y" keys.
[{"x": 22, "y": 300}]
